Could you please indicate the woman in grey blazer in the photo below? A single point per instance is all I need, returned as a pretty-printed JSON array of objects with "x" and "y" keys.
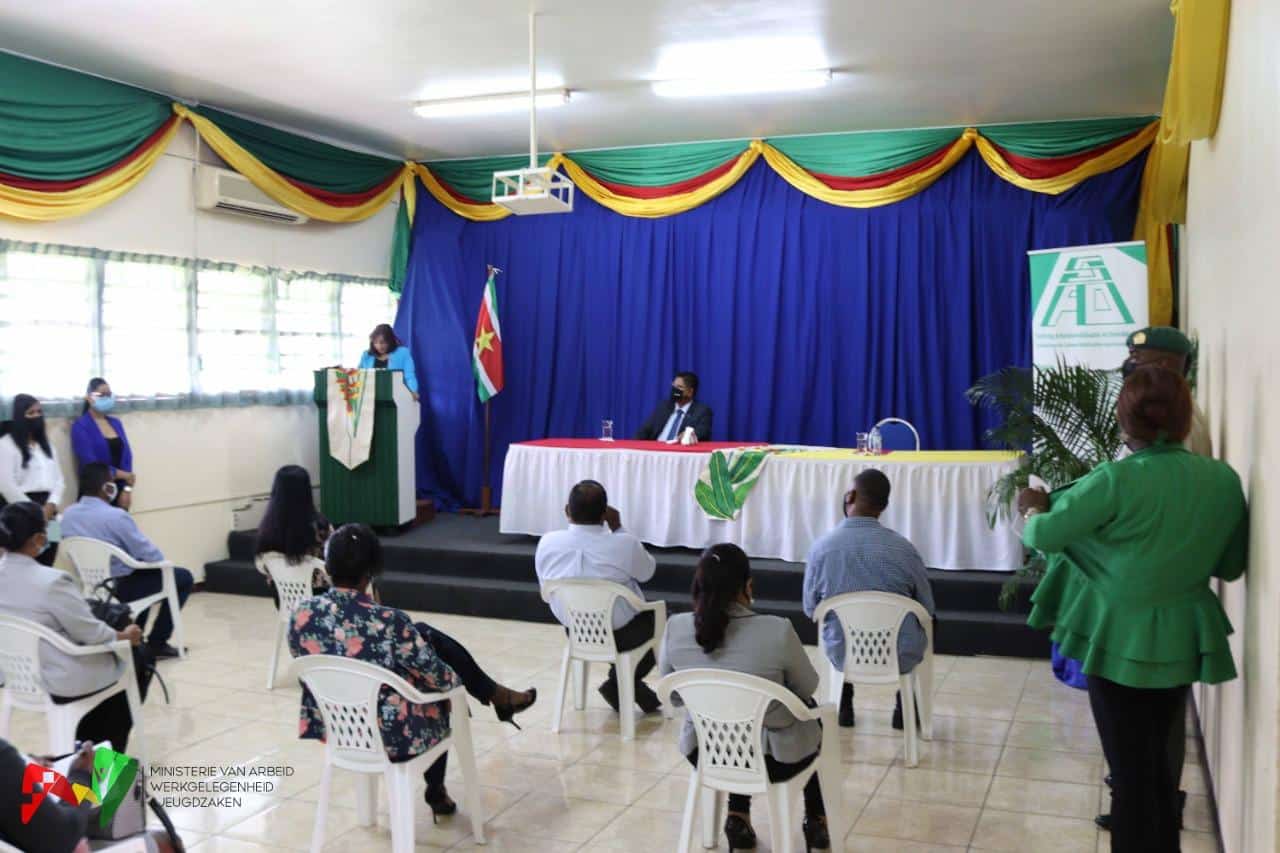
[
  {"x": 723, "y": 632},
  {"x": 52, "y": 598}
]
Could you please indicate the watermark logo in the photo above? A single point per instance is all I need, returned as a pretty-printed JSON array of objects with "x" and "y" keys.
[
  {"x": 112, "y": 779},
  {"x": 1085, "y": 294}
]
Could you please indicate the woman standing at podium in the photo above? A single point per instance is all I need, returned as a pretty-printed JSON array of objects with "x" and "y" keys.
[{"x": 386, "y": 352}]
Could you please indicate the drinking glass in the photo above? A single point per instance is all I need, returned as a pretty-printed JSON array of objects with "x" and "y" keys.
[
  {"x": 863, "y": 440},
  {"x": 606, "y": 430}
]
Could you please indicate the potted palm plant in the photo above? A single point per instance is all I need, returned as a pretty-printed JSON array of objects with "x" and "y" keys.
[{"x": 1063, "y": 420}]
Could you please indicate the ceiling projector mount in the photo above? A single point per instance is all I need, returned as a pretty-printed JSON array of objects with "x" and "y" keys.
[{"x": 535, "y": 189}]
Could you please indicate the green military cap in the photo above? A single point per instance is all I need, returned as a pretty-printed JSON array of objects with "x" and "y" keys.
[{"x": 1162, "y": 338}]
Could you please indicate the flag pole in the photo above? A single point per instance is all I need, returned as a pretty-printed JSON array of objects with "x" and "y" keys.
[{"x": 486, "y": 489}]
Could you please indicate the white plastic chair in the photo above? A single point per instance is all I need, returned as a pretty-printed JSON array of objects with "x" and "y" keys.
[
  {"x": 589, "y": 604},
  {"x": 20, "y": 641},
  {"x": 293, "y": 584},
  {"x": 346, "y": 693},
  {"x": 92, "y": 561},
  {"x": 880, "y": 424},
  {"x": 728, "y": 710},
  {"x": 870, "y": 622}
]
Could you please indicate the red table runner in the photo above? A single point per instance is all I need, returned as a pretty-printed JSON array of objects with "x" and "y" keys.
[{"x": 628, "y": 444}]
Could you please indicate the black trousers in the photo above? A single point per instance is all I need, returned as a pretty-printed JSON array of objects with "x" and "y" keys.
[
  {"x": 478, "y": 683},
  {"x": 1177, "y": 741},
  {"x": 111, "y": 720},
  {"x": 137, "y": 585},
  {"x": 780, "y": 771},
  {"x": 1135, "y": 725},
  {"x": 633, "y": 635}
]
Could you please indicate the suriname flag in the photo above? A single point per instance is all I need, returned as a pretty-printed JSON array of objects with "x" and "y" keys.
[{"x": 486, "y": 349}]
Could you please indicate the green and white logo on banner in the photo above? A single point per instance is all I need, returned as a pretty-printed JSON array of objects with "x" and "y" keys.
[{"x": 1086, "y": 300}]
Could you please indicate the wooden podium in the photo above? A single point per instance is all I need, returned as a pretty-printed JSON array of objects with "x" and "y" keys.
[{"x": 382, "y": 491}]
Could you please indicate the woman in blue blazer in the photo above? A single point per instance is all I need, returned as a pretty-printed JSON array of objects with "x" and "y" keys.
[
  {"x": 98, "y": 437},
  {"x": 386, "y": 352}
]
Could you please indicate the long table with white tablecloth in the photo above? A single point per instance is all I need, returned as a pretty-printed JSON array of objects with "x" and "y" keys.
[{"x": 938, "y": 498}]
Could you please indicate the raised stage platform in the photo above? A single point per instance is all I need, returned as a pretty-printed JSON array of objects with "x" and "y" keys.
[{"x": 458, "y": 564}]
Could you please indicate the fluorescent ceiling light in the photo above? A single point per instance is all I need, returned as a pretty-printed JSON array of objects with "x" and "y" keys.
[
  {"x": 742, "y": 83},
  {"x": 475, "y": 105}
]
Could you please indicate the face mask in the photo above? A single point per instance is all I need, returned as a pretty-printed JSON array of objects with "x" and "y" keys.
[
  {"x": 1129, "y": 366},
  {"x": 35, "y": 426},
  {"x": 104, "y": 404},
  {"x": 109, "y": 491},
  {"x": 676, "y": 393}
]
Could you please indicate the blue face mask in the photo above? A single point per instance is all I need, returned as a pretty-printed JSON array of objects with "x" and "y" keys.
[{"x": 104, "y": 404}]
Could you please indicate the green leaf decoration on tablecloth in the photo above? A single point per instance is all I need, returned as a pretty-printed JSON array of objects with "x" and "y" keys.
[{"x": 727, "y": 481}]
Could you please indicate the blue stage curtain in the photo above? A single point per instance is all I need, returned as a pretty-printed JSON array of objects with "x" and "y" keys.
[{"x": 805, "y": 322}]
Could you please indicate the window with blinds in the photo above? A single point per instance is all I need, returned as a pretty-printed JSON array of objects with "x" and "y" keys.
[
  {"x": 48, "y": 324},
  {"x": 163, "y": 327},
  {"x": 146, "y": 348},
  {"x": 361, "y": 307}
]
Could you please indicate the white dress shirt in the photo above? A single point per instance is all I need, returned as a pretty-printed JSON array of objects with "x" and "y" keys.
[
  {"x": 683, "y": 411},
  {"x": 42, "y": 474},
  {"x": 593, "y": 551}
]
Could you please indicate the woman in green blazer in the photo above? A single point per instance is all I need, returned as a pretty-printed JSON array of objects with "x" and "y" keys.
[{"x": 1133, "y": 546}]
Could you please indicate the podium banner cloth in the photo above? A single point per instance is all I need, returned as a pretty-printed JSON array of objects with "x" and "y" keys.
[
  {"x": 350, "y": 415},
  {"x": 938, "y": 500}
]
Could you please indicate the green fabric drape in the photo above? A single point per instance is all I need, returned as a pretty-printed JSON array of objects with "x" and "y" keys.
[
  {"x": 1062, "y": 138},
  {"x": 473, "y": 178},
  {"x": 843, "y": 154},
  {"x": 856, "y": 155},
  {"x": 657, "y": 165},
  {"x": 60, "y": 125},
  {"x": 318, "y": 164},
  {"x": 401, "y": 239}
]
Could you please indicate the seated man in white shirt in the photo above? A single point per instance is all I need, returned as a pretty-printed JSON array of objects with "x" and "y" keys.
[{"x": 596, "y": 546}]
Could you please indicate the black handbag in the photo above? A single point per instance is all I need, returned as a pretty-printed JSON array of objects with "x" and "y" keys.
[{"x": 109, "y": 608}]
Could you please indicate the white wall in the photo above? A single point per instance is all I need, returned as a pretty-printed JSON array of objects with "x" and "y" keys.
[
  {"x": 1232, "y": 302},
  {"x": 194, "y": 466}
]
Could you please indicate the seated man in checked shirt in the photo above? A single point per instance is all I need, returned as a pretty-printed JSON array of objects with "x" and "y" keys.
[{"x": 861, "y": 555}]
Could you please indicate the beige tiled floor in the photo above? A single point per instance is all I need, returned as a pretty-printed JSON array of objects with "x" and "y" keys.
[{"x": 1014, "y": 765}]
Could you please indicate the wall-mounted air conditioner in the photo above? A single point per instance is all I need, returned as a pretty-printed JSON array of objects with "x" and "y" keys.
[{"x": 231, "y": 192}]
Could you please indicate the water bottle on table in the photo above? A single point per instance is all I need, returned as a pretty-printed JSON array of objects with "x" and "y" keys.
[
  {"x": 875, "y": 442},
  {"x": 606, "y": 430}
]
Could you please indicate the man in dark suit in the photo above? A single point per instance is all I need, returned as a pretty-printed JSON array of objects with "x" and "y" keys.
[{"x": 677, "y": 412}]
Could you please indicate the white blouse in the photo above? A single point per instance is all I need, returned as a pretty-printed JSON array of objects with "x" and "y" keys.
[{"x": 42, "y": 474}]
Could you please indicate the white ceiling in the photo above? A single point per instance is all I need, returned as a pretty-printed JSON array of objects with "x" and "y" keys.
[{"x": 350, "y": 71}]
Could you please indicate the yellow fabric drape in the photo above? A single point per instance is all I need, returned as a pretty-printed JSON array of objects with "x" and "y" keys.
[
  {"x": 409, "y": 191},
  {"x": 1193, "y": 93},
  {"x": 802, "y": 180},
  {"x": 274, "y": 184},
  {"x": 479, "y": 212},
  {"x": 40, "y": 206},
  {"x": 1162, "y": 200},
  {"x": 1192, "y": 102},
  {"x": 1104, "y": 162},
  {"x": 653, "y": 208}
]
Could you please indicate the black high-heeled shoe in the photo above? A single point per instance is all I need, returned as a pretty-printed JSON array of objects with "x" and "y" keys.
[
  {"x": 816, "y": 836},
  {"x": 440, "y": 803},
  {"x": 739, "y": 834},
  {"x": 506, "y": 711}
]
